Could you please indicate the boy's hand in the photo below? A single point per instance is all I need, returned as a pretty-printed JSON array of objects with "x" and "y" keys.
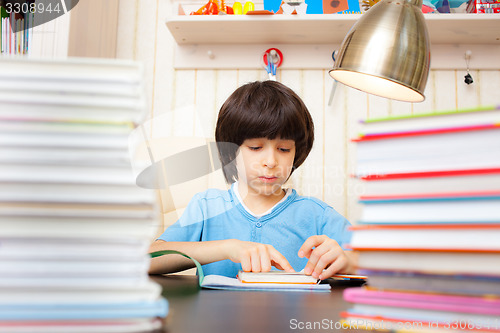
[
  {"x": 256, "y": 257},
  {"x": 323, "y": 253}
]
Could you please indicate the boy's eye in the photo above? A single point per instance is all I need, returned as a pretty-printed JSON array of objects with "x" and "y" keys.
[
  {"x": 254, "y": 147},
  {"x": 285, "y": 150}
]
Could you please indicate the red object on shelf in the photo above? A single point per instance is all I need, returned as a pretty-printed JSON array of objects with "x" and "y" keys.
[
  {"x": 214, "y": 7},
  {"x": 483, "y": 6}
]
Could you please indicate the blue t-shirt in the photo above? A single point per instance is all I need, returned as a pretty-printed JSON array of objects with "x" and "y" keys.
[{"x": 218, "y": 214}]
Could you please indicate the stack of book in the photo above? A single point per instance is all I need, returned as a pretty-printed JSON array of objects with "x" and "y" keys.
[
  {"x": 429, "y": 230},
  {"x": 74, "y": 227},
  {"x": 16, "y": 27}
]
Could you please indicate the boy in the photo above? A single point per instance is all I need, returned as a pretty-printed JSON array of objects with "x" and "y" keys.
[{"x": 264, "y": 132}]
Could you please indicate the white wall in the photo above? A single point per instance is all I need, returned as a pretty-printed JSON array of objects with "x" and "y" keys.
[{"x": 143, "y": 36}]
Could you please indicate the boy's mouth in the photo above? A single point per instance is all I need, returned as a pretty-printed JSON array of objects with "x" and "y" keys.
[{"x": 268, "y": 179}]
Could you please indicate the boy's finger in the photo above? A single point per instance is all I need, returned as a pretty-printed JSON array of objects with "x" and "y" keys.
[
  {"x": 326, "y": 261},
  {"x": 255, "y": 260},
  {"x": 265, "y": 260},
  {"x": 279, "y": 259},
  {"x": 246, "y": 264},
  {"x": 317, "y": 260},
  {"x": 306, "y": 248},
  {"x": 335, "y": 267}
]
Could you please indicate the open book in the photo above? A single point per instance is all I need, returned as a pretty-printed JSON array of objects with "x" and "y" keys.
[
  {"x": 227, "y": 283},
  {"x": 282, "y": 277},
  {"x": 273, "y": 281}
]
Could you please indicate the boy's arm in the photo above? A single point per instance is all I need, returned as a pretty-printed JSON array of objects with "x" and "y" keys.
[
  {"x": 204, "y": 252},
  {"x": 253, "y": 257}
]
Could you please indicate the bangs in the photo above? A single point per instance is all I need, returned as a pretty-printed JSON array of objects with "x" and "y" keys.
[{"x": 269, "y": 116}]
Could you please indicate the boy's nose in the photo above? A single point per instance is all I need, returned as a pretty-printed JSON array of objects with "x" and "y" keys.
[{"x": 270, "y": 160}]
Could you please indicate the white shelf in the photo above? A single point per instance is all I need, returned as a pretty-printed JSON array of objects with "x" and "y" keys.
[
  {"x": 320, "y": 29},
  {"x": 307, "y": 41}
]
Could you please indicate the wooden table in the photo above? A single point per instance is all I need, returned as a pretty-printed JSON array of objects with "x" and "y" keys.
[{"x": 192, "y": 310}]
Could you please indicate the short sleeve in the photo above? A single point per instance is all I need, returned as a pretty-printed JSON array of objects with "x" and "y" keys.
[
  {"x": 189, "y": 227},
  {"x": 336, "y": 227}
]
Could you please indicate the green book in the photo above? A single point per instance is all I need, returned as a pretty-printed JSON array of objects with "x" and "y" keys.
[
  {"x": 469, "y": 117},
  {"x": 3, "y": 12}
]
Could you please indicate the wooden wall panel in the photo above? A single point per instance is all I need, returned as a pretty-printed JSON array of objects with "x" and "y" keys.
[
  {"x": 335, "y": 146},
  {"x": 93, "y": 29},
  {"x": 489, "y": 87}
]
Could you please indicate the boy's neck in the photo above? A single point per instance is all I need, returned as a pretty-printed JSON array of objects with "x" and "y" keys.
[{"x": 259, "y": 203}]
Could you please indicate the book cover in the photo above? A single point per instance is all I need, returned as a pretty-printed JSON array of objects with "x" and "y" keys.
[
  {"x": 440, "y": 208},
  {"x": 488, "y": 114},
  {"x": 470, "y": 237},
  {"x": 438, "y": 302},
  {"x": 458, "y": 150},
  {"x": 363, "y": 316},
  {"x": 79, "y": 326},
  {"x": 94, "y": 311},
  {"x": 278, "y": 277},
  {"x": 432, "y": 183},
  {"x": 227, "y": 283},
  {"x": 458, "y": 284},
  {"x": 443, "y": 262}
]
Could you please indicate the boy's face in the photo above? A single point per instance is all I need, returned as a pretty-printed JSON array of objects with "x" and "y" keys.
[{"x": 264, "y": 165}]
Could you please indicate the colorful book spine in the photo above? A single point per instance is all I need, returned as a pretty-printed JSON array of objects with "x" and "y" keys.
[{"x": 432, "y": 193}]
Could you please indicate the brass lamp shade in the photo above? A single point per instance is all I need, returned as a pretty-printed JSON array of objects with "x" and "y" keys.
[{"x": 387, "y": 52}]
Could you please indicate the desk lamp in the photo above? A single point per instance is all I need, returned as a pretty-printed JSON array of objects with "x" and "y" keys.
[{"x": 387, "y": 52}]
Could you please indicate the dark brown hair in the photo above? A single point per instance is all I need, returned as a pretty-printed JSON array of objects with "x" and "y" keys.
[{"x": 266, "y": 109}]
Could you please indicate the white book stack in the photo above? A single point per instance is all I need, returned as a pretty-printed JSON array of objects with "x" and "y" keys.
[{"x": 74, "y": 227}]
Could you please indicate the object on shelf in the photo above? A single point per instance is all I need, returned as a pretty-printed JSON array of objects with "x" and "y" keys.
[
  {"x": 248, "y": 7},
  {"x": 428, "y": 7},
  {"x": 213, "y": 7},
  {"x": 367, "y": 4},
  {"x": 292, "y": 7},
  {"x": 444, "y": 6},
  {"x": 483, "y": 6},
  {"x": 259, "y": 12},
  {"x": 310, "y": 6},
  {"x": 335, "y": 6},
  {"x": 210, "y": 8},
  {"x": 237, "y": 8},
  {"x": 353, "y": 7}
]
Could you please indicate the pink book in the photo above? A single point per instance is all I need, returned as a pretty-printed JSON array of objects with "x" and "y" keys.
[{"x": 439, "y": 302}]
